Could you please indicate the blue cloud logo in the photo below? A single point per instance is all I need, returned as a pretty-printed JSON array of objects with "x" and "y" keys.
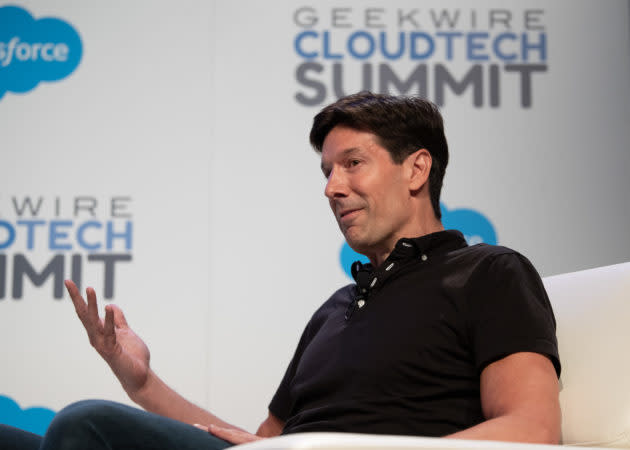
[
  {"x": 31, "y": 51},
  {"x": 35, "y": 420},
  {"x": 474, "y": 225}
]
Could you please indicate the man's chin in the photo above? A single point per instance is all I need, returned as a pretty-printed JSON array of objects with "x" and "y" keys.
[
  {"x": 356, "y": 238},
  {"x": 356, "y": 244}
]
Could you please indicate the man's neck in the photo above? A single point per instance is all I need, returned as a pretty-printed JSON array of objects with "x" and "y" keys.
[{"x": 432, "y": 226}]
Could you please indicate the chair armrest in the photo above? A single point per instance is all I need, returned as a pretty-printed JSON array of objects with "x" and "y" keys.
[{"x": 350, "y": 441}]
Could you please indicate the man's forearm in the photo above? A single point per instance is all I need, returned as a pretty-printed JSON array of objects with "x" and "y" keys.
[
  {"x": 157, "y": 397},
  {"x": 514, "y": 428}
]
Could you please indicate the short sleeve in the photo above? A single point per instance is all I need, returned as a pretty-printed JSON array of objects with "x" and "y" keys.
[{"x": 510, "y": 312}]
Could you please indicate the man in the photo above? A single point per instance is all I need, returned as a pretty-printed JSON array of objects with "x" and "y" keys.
[
  {"x": 446, "y": 339},
  {"x": 435, "y": 339}
]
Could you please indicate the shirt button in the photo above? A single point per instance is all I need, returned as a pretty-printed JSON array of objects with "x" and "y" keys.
[
  {"x": 424, "y": 257},
  {"x": 361, "y": 303}
]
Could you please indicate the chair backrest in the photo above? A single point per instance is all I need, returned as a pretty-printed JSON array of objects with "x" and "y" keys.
[{"x": 592, "y": 309}]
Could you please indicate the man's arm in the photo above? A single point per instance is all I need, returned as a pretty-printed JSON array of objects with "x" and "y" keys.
[
  {"x": 519, "y": 398},
  {"x": 156, "y": 396},
  {"x": 128, "y": 357}
]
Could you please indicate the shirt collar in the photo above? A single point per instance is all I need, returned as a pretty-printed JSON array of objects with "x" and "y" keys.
[
  {"x": 439, "y": 242},
  {"x": 432, "y": 244}
]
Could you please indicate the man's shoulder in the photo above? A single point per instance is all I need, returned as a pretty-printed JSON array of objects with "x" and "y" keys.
[
  {"x": 486, "y": 254},
  {"x": 338, "y": 301},
  {"x": 340, "y": 298},
  {"x": 486, "y": 250},
  {"x": 483, "y": 261}
]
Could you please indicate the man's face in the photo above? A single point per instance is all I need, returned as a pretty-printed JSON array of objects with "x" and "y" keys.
[{"x": 368, "y": 193}]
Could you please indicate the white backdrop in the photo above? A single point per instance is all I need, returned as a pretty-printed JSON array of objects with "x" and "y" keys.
[{"x": 188, "y": 110}]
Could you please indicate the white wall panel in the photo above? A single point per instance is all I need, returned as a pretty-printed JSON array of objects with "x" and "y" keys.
[{"x": 192, "y": 110}]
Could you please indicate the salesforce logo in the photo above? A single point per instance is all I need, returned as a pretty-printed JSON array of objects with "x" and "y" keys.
[
  {"x": 475, "y": 227},
  {"x": 35, "y": 420},
  {"x": 31, "y": 51}
]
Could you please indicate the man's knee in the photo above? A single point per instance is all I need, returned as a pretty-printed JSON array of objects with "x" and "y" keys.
[{"x": 83, "y": 425}]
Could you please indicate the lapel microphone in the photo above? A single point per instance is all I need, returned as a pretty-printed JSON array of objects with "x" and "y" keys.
[{"x": 361, "y": 274}]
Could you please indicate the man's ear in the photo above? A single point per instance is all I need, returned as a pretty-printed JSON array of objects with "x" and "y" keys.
[{"x": 420, "y": 166}]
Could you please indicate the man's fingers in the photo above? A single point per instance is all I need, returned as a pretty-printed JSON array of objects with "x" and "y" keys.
[
  {"x": 119, "y": 317},
  {"x": 109, "y": 328},
  {"x": 88, "y": 314},
  {"x": 77, "y": 300},
  {"x": 92, "y": 307},
  {"x": 233, "y": 435}
]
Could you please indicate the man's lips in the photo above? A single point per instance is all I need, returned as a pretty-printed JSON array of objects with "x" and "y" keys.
[{"x": 348, "y": 213}]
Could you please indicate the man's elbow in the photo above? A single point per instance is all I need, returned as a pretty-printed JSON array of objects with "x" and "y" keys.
[
  {"x": 549, "y": 435},
  {"x": 553, "y": 432},
  {"x": 545, "y": 429}
]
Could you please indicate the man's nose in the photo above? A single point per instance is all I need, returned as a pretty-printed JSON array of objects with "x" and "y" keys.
[{"x": 336, "y": 185}]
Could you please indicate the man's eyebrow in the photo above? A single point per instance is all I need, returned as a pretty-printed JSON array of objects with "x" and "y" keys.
[{"x": 344, "y": 153}]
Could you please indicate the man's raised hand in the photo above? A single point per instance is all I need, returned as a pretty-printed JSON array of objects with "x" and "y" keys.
[{"x": 120, "y": 347}]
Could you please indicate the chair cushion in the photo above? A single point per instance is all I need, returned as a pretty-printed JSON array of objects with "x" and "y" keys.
[{"x": 592, "y": 309}]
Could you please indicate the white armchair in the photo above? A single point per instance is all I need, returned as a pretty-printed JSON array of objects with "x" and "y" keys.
[{"x": 592, "y": 309}]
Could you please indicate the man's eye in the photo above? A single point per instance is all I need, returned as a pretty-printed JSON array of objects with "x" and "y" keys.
[{"x": 354, "y": 162}]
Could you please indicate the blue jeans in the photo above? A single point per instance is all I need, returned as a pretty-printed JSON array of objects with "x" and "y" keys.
[{"x": 99, "y": 424}]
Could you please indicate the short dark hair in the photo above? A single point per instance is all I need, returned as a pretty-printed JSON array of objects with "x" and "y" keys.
[{"x": 402, "y": 125}]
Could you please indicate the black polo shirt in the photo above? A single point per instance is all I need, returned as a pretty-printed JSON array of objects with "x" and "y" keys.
[{"x": 409, "y": 357}]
